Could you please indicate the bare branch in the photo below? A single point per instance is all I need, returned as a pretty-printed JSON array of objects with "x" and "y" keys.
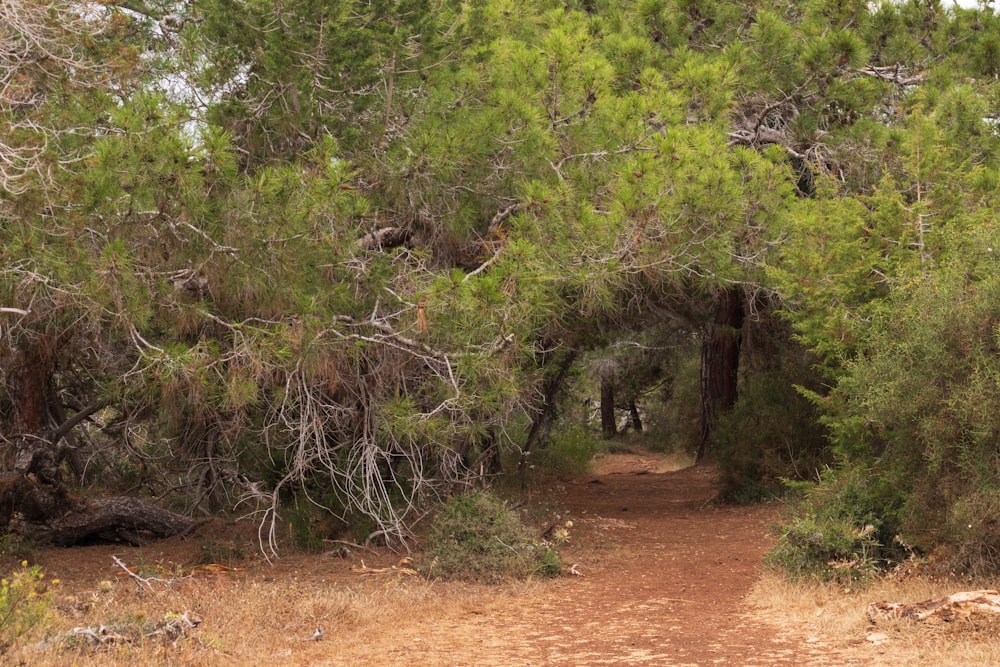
[
  {"x": 502, "y": 215},
  {"x": 894, "y": 74},
  {"x": 383, "y": 238},
  {"x": 68, "y": 425}
]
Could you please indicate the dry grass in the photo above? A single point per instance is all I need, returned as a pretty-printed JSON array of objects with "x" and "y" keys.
[
  {"x": 831, "y": 617},
  {"x": 256, "y": 620}
]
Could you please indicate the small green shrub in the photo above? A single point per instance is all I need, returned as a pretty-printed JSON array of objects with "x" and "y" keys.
[
  {"x": 568, "y": 451},
  {"x": 973, "y": 533},
  {"x": 841, "y": 530},
  {"x": 310, "y": 522},
  {"x": 476, "y": 537},
  {"x": 25, "y": 598}
]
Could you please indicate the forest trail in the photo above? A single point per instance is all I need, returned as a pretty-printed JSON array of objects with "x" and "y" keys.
[
  {"x": 664, "y": 572},
  {"x": 665, "y": 569}
]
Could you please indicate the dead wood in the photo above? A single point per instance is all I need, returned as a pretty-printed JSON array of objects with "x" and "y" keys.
[
  {"x": 384, "y": 238},
  {"x": 965, "y": 606},
  {"x": 69, "y": 521}
]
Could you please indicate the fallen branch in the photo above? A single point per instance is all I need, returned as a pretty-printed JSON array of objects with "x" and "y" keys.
[
  {"x": 984, "y": 604},
  {"x": 173, "y": 627},
  {"x": 502, "y": 215},
  {"x": 401, "y": 567},
  {"x": 894, "y": 74},
  {"x": 141, "y": 581}
]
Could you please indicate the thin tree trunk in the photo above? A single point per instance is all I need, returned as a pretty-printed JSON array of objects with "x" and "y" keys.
[
  {"x": 633, "y": 411},
  {"x": 720, "y": 360},
  {"x": 609, "y": 428},
  {"x": 542, "y": 420}
]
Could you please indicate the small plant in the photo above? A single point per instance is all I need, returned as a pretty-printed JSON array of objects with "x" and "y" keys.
[
  {"x": 568, "y": 451},
  {"x": 830, "y": 550},
  {"x": 25, "y": 598},
  {"x": 476, "y": 537},
  {"x": 17, "y": 548}
]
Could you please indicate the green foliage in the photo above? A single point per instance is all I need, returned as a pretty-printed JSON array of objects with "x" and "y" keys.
[
  {"x": 476, "y": 537},
  {"x": 919, "y": 407},
  {"x": 25, "y": 598},
  {"x": 770, "y": 435},
  {"x": 773, "y": 432},
  {"x": 309, "y": 524},
  {"x": 840, "y": 530},
  {"x": 332, "y": 265},
  {"x": 568, "y": 450}
]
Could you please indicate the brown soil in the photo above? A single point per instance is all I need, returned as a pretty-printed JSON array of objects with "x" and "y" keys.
[{"x": 664, "y": 570}]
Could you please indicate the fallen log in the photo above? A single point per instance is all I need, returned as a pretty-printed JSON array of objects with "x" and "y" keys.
[
  {"x": 65, "y": 520},
  {"x": 36, "y": 504},
  {"x": 972, "y": 606}
]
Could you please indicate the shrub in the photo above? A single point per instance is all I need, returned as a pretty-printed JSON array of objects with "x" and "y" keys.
[
  {"x": 476, "y": 537},
  {"x": 973, "y": 531},
  {"x": 918, "y": 409},
  {"x": 842, "y": 529},
  {"x": 568, "y": 451},
  {"x": 25, "y": 598},
  {"x": 772, "y": 433}
]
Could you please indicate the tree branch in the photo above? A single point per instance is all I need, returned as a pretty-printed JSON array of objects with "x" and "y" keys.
[{"x": 68, "y": 425}]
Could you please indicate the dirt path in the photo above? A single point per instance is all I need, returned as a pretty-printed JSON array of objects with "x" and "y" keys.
[
  {"x": 665, "y": 570},
  {"x": 664, "y": 573}
]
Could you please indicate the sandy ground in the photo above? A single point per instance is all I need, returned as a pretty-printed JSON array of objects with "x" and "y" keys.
[{"x": 664, "y": 573}]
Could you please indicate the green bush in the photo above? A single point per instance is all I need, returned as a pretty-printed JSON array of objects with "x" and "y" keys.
[
  {"x": 568, "y": 451},
  {"x": 842, "y": 529},
  {"x": 973, "y": 531},
  {"x": 771, "y": 434},
  {"x": 25, "y": 598},
  {"x": 919, "y": 409},
  {"x": 476, "y": 537}
]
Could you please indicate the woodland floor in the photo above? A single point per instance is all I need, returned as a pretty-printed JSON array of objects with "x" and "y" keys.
[{"x": 666, "y": 575}]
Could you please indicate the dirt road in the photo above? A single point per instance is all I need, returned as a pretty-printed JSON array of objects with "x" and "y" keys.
[
  {"x": 665, "y": 570},
  {"x": 664, "y": 573}
]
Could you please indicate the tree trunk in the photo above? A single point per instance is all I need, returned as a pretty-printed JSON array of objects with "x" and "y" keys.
[
  {"x": 115, "y": 519},
  {"x": 633, "y": 411},
  {"x": 34, "y": 501},
  {"x": 28, "y": 383},
  {"x": 609, "y": 427},
  {"x": 720, "y": 361},
  {"x": 542, "y": 420}
]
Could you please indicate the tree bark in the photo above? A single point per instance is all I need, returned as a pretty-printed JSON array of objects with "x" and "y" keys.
[
  {"x": 28, "y": 382},
  {"x": 34, "y": 501},
  {"x": 114, "y": 519},
  {"x": 720, "y": 362},
  {"x": 541, "y": 422},
  {"x": 609, "y": 427},
  {"x": 633, "y": 411}
]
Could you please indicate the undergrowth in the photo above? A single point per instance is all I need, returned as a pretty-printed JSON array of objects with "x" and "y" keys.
[
  {"x": 476, "y": 537},
  {"x": 842, "y": 530},
  {"x": 25, "y": 598}
]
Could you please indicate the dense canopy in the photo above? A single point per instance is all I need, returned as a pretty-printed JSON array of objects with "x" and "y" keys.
[{"x": 333, "y": 258}]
